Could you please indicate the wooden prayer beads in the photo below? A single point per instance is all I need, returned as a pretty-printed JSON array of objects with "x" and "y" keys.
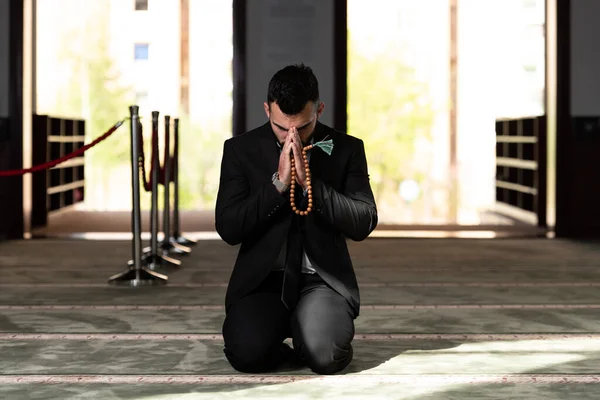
[{"x": 308, "y": 184}]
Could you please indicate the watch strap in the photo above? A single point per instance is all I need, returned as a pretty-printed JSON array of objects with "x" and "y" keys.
[{"x": 282, "y": 187}]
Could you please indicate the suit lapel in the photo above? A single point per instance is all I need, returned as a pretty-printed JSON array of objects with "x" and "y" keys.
[
  {"x": 269, "y": 150},
  {"x": 319, "y": 159}
]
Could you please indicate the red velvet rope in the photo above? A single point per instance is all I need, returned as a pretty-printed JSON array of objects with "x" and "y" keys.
[
  {"x": 147, "y": 178},
  {"x": 175, "y": 160},
  {"x": 166, "y": 158},
  {"x": 61, "y": 160},
  {"x": 142, "y": 159}
]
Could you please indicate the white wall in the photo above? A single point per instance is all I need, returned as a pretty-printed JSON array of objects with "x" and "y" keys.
[
  {"x": 585, "y": 58},
  {"x": 482, "y": 94},
  {"x": 159, "y": 27},
  {"x": 4, "y": 53},
  {"x": 281, "y": 33},
  {"x": 210, "y": 55}
]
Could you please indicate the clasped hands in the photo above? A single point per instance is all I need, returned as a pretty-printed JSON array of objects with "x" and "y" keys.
[{"x": 292, "y": 146}]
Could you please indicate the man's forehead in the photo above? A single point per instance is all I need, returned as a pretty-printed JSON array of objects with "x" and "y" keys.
[
  {"x": 287, "y": 124},
  {"x": 300, "y": 120}
]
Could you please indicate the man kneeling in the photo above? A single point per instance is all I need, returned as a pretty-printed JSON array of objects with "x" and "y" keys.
[{"x": 291, "y": 191}]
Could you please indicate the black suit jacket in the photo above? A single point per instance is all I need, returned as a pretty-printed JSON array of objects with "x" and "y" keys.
[{"x": 252, "y": 212}]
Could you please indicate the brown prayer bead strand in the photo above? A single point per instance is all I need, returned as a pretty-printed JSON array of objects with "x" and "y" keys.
[{"x": 308, "y": 184}]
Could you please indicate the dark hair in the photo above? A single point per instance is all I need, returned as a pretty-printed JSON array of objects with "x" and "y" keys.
[{"x": 292, "y": 87}]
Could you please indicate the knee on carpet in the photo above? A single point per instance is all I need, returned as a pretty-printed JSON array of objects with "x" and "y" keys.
[
  {"x": 250, "y": 358},
  {"x": 325, "y": 357}
]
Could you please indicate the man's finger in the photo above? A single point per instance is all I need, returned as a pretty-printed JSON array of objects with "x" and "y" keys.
[
  {"x": 298, "y": 158},
  {"x": 296, "y": 153},
  {"x": 298, "y": 139},
  {"x": 289, "y": 136},
  {"x": 294, "y": 133}
]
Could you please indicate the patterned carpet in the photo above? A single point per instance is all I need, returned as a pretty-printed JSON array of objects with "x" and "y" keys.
[{"x": 441, "y": 319}]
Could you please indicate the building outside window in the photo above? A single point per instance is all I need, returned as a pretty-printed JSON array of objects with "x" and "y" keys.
[
  {"x": 141, "y": 5},
  {"x": 141, "y": 51}
]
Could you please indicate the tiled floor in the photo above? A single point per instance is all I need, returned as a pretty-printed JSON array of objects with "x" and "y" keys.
[
  {"x": 78, "y": 219},
  {"x": 440, "y": 319}
]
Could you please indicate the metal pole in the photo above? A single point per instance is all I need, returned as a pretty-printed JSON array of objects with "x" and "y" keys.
[
  {"x": 169, "y": 245},
  {"x": 153, "y": 259},
  {"x": 154, "y": 195},
  {"x": 177, "y": 236},
  {"x": 176, "y": 230},
  {"x": 136, "y": 216},
  {"x": 136, "y": 274},
  {"x": 167, "y": 180}
]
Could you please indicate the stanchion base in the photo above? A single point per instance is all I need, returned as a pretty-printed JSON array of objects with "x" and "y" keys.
[
  {"x": 180, "y": 239},
  {"x": 134, "y": 278},
  {"x": 170, "y": 247},
  {"x": 156, "y": 261},
  {"x": 147, "y": 252}
]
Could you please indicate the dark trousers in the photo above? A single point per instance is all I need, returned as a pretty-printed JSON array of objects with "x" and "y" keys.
[{"x": 321, "y": 327}]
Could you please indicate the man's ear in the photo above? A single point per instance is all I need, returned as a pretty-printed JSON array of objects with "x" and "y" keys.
[
  {"x": 320, "y": 109},
  {"x": 267, "y": 109}
]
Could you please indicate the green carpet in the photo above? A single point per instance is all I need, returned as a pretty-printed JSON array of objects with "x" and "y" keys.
[{"x": 441, "y": 319}]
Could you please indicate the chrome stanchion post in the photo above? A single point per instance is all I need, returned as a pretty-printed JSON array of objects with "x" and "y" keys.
[
  {"x": 136, "y": 274},
  {"x": 152, "y": 258},
  {"x": 167, "y": 245},
  {"x": 177, "y": 236}
]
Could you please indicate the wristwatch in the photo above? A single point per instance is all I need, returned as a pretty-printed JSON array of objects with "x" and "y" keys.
[{"x": 282, "y": 187}]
